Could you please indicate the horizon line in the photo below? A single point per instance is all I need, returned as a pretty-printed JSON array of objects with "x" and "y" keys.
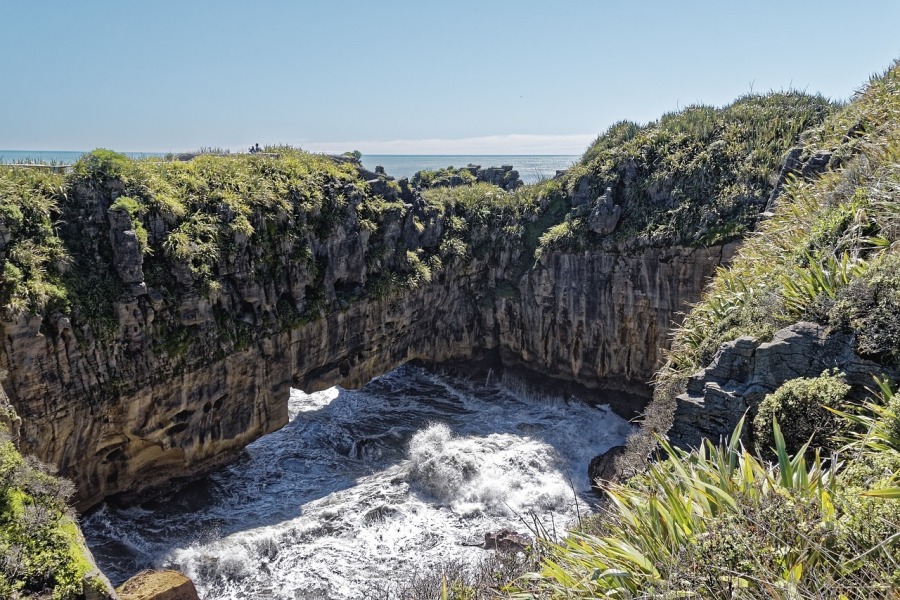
[{"x": 515, "y": 144}]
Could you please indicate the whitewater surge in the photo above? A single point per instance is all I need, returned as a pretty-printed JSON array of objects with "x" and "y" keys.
[{"x": 366, "y": 488}]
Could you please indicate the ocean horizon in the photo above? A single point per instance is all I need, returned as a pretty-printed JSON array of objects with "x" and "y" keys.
[{"x": 531, "y": 167}]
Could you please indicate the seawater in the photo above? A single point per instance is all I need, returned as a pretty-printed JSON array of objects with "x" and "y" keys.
[
  {"x": 531, "y": 168},
  {"x": 365, "y": 488},
  {"x": 60, "y": 157}
]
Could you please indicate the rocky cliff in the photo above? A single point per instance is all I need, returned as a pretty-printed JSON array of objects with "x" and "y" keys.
[
  {"x": 816, "y": 289},
  {"x": 157, "y": 312},
  {"x": 181, "y": 381},
  {"x": 185, "y": 369}
]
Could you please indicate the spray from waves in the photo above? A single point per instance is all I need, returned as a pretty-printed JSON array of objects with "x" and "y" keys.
[
  {"x": 366, "y": 486},
  {"x": 501, "y": 474}
]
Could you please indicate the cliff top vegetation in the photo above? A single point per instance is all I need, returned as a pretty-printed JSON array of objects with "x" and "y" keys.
[{"x": 698, "y": 176}]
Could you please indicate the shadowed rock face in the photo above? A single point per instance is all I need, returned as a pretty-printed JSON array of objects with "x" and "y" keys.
[{"x": 182, "y": 380}]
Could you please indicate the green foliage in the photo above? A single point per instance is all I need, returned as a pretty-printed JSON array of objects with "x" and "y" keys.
[
  {"x": 870, "y": 307},
  {"x": 40, "y": 549},
  {"x": 448, "y": 177},
  {"x": 802, "y": 405},
  {"x": 802, "y": 285},
  {"x": 33, "y": 257},
  {"x": 571, "y": 235},
  {"x": 102, "y": 165},
  {"x": 699, "y": 176},
  {"x": 719, "y": 522}
]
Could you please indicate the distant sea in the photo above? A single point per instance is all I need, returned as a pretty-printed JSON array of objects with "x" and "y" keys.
[
  {"x": 531, "y": 168},
  {"x": 60, "y": 157}
]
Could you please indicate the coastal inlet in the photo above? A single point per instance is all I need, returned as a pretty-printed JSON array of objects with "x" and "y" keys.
[{"x": 366, "y": 489}]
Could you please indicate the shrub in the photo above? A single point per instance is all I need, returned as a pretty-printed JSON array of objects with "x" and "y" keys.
[
  {"x": 40, "y": 550},
  {"x": 801, "y": 405},
  {"x": 870, "y": 307},
  {"x": 104, "y": 164}
]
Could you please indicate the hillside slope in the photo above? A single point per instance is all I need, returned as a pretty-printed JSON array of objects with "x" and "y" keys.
[{"x": 782, "y": 379}]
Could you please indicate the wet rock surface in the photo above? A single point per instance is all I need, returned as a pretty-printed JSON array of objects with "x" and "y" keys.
[
  {"x": 506, "y": 540},
  {"x": 602, "y": 468}
]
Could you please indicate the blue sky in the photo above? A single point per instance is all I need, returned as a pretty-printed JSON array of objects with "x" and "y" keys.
[{"x": 401, "y": 77}]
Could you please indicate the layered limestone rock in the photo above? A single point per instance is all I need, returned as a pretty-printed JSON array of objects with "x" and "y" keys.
[
  {"x": 602, "y": 318},
  {"x": 745, "y": 370},
  {"x": 184, "y": 374}
]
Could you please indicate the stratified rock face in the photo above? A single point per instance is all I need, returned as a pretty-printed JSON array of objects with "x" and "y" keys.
[
  {"x": 184, "y": 377},
  {"x": 601, "y": 318},
  {"x": 744, "y": 371}
]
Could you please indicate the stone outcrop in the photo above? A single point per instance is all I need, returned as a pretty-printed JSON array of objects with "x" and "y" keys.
[
  {"x": 504, "y": 177},
  {"x": 745, "y": 370},
  {"x": 179, "y": 378},
  {"x": 602, "y": 468},
  {"x": 506, "y": 540}
]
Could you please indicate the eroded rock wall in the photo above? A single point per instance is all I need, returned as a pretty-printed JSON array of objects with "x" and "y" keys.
[
  {"x": 602, "y": 318},
  {"x": 185, "y": 377}
]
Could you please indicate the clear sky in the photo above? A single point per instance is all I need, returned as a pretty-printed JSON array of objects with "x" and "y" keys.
[{"x": 398, "y": 77}]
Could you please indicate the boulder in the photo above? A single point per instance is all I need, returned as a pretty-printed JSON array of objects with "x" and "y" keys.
[
  {"x": 158, "y": 585},
  {"x": 506, "y": 540},
  {"x": 603, "y": 468}
]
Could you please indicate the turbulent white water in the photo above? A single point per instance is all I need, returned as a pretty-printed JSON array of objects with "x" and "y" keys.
[{"x": 366, "y": 486}]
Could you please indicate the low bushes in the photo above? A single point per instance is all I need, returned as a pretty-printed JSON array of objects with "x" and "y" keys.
[
  {"x": 40, "y": 551},
  {"x": 802, "y": 406}
]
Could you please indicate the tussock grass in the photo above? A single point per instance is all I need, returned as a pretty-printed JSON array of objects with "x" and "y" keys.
[{"x": 720, "y": 522}]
